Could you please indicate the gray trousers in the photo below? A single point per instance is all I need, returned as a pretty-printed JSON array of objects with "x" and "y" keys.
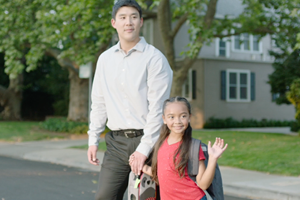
[{"x": 113, "y": 178}]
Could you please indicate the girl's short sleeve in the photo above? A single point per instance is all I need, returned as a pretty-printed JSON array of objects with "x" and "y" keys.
[{"x": 201, "y": 154}]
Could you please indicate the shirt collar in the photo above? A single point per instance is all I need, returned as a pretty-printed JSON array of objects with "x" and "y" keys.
[{"x": 140, "y": 46}]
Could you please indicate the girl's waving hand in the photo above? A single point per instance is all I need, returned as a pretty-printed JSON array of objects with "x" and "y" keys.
[{"x": 217, "y": 149}]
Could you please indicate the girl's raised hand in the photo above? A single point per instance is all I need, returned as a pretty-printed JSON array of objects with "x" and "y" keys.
[{"x": 217, "y": 149}]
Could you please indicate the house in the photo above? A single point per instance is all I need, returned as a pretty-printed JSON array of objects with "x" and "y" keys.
[{"x": 229, "y": 78}]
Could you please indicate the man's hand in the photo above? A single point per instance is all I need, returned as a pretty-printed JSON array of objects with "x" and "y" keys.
[
  {"x": 217, "y": 149},
  {"x": 92, "y": 155},
  {"x": 136, "y": 161}
]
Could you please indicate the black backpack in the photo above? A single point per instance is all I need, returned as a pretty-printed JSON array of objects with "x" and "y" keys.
[{"x": 215, "y": 190}]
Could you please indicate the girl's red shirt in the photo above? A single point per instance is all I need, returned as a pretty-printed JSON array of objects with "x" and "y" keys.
[{"x": 172, "y": 187}]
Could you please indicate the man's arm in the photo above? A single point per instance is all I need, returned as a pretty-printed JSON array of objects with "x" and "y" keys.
[
  {"x": 98, "y": 116},
  {"x": 159, "y": 83}
]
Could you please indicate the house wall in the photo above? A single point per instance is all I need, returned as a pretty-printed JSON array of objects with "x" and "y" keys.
[{"x": 261, "y": 107}]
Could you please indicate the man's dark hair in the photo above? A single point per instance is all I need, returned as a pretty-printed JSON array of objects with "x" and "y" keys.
[{"x": 130, "y": 3}]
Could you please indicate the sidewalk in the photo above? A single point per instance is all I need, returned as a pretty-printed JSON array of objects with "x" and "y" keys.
[{"x": 236, "y": 182}]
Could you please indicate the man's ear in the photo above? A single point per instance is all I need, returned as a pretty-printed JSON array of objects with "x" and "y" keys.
[
  {"x": 113, "y": 22},
  {"x": 142, "y": 22}
]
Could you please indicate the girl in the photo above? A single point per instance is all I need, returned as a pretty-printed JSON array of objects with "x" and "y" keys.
[{"x": 170, "y": 156}]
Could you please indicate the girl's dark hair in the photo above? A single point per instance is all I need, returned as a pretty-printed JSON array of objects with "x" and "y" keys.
[
  {"x": 130, "y": 3},
  {"x": 183, "y": 149}
]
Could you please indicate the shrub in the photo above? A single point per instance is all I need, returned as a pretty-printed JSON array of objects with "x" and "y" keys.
[
  {"x": 62, "y": 125},
  {"x": 295, "y": 126},
  {"x": 232, "y": 123}
]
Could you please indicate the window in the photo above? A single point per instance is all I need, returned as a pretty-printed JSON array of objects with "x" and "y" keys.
[
  {"x": 222, "y": 47},
  {"x": 247, "y": 43},
  {"x": 189, "y": 86},
  {"x": 237, "y": 85},
  {"x": 255, "y": 43}
]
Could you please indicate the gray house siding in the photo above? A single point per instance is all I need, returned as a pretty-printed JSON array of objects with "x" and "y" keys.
[{"x": 261, "y": 107}]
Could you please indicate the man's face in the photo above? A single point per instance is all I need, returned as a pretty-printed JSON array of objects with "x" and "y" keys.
[{"x": 128, "y": 23}]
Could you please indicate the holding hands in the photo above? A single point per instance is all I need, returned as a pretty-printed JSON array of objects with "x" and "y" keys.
[
  {"x": 136, "y": 162},
  {"x": 217, "y": 149}
]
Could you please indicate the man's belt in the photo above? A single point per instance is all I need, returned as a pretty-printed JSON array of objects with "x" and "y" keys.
[{"x": 129, "y": 133}]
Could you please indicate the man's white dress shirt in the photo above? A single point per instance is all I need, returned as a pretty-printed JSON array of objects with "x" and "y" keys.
[{"x": 128, "y": 92}]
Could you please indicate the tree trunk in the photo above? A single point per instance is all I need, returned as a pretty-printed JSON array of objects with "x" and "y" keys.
[
  {"x": 179, "y": 76},
  {"x": 79, "y": 95},
  {"x": 180, "y": 69},
  {"x": 11, "y": 99}
]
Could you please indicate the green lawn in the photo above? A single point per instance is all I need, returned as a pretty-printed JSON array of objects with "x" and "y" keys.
[
  {"x": 25, "y": 131},
  {"x": 271, "y": 153}
]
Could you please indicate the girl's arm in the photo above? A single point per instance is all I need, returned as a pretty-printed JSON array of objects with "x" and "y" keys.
[
  {"x": 147, "y": 170},
  {"x": 206, "y": 175}
]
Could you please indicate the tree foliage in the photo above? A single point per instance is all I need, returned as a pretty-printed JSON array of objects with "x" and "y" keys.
[
  {"x": 294, "y": 96},
  {"x": 286, "y": 70},
  {"x": 287, "y": 63},
  {"x": 73, "y": 32},
  {"x": 74, "y": 29}
]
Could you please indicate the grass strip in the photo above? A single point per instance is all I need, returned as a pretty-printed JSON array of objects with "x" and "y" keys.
[
  {"x": 267, "y": 152},
  {"x": 25, "y": 131}
]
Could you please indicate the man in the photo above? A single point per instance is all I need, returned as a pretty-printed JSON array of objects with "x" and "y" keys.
[{"x": 131, "y": 82}]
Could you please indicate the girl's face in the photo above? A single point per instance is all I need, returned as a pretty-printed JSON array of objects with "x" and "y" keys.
[{"x": 176, "y": 116}]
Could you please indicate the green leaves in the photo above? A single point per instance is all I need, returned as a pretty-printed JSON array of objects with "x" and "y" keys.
[
  {"x": 294, "y": 96},
  {"x": 286, "y": 70},
  {"x": 30, "y": 27}
]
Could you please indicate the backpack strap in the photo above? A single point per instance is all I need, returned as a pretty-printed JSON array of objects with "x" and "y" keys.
[{"x": 193, "y": 163}]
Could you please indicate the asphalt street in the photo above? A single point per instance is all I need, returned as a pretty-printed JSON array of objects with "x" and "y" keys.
[{"x": 30, "y": 180}]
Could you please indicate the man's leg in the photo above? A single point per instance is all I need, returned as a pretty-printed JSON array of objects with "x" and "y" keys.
[
  {"x": 113, "y": 178},
  {"x": 112, "y": 183}
]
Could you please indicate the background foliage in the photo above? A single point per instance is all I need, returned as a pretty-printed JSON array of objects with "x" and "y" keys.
[{"x": 45, "y": 90}]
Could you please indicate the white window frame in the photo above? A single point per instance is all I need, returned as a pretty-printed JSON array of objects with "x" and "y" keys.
[
  {"x": 238, "y": 72},
  {"x": 190, "y": 85},
  {"x": 242, "y": 50},
  {"x": 227, "y": 47}
]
